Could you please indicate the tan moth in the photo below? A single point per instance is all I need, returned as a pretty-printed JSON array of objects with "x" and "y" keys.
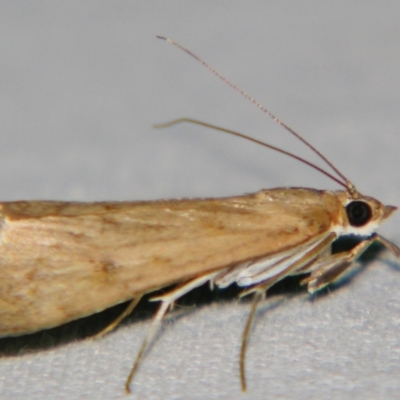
[{"x": 60, "y": 261}]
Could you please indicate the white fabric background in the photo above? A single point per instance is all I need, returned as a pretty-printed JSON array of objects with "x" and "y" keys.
[{"x": 80, "y": 85}]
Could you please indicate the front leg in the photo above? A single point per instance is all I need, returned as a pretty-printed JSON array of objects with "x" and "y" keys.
[{"x": 331, "y": 268}]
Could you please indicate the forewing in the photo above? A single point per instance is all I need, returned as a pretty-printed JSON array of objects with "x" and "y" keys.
[{"x": 61, "y": 261}]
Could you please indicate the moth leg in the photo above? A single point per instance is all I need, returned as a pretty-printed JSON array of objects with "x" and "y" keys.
[
  {"x": 167, "y": 301},
  {"x": 131, "y": 306},
  {"x": 331, "y": 268},
  {"x": 260, "y": 290},
  {"x": 150, "y": 334},
  {"x": 257, "y": 298},
  {"x": 325, "y": 268}
]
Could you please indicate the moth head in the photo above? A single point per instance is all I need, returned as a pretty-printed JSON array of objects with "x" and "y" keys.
[{"x": 363, "y": 214}]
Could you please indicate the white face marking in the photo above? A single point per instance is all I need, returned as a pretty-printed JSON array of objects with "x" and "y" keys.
[{"x": 366, "y": 230}]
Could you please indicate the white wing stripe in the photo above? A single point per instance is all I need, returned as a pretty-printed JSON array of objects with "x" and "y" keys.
[{"x": 253, "y": 272}]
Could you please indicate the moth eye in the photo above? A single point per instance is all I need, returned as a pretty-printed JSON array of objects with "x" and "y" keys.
[{"x": 358, "y": 213}]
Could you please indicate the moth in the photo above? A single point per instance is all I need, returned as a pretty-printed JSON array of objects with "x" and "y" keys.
[{"x": 60, "y": 261}]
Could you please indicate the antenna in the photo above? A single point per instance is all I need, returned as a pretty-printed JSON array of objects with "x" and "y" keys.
[
  {"x": 346, "y": 182},
  {"x": 251, "y": 139}
]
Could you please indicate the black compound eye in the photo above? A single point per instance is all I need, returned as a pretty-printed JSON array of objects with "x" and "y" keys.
[{"x": 358, "y": 213}]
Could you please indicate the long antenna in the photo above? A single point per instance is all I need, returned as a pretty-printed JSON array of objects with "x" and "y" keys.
[
  {"x": 251, "y": 139},
  {"x": 347, "y": 183}
]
